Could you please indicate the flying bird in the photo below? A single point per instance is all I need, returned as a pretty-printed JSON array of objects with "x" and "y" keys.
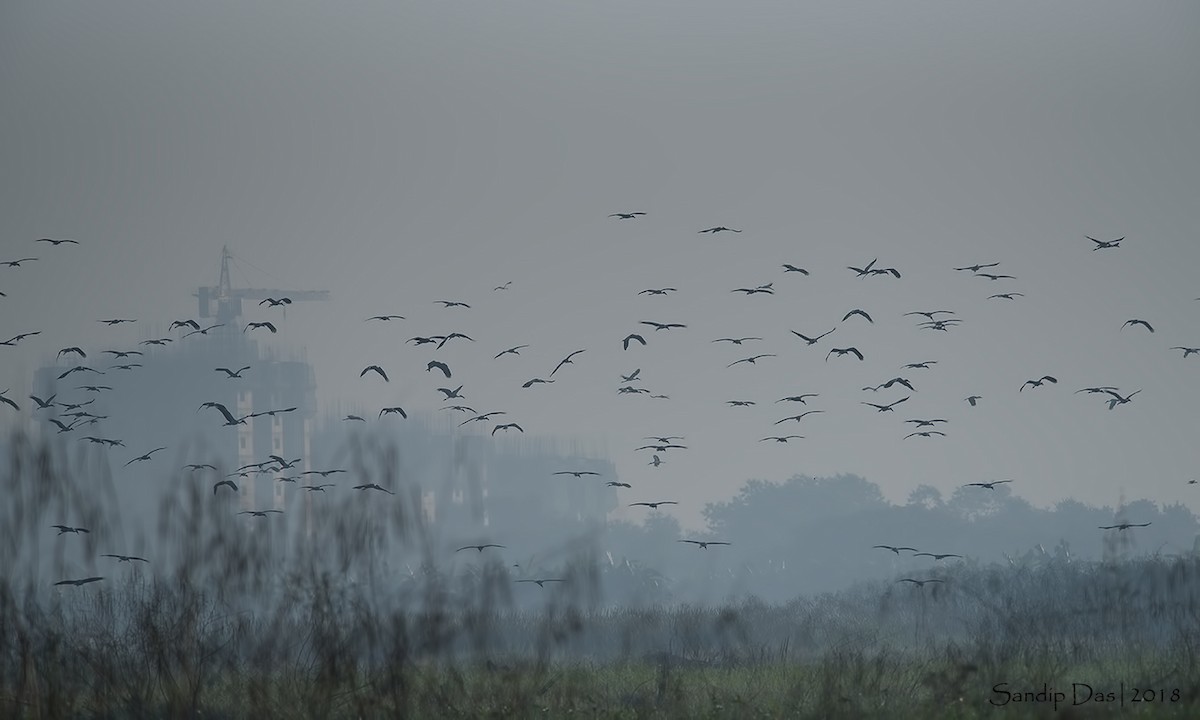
[
  {"x": 159, "y": 342},
  {"x": 662, "y": 326},
  {"x": 929, "y": 314},
  {"x": 275, "y": 302},
  {"x": 631, "y": 377},
  {"x": 565, "y": 361},
  {"x": 508, "y": 426},
  {"x": 451, "y": 336},
  {"x": 439, "y": 365},
  {"x": 1123, "y": 526},
  {"x": 1135, "y": 321},
  {"x": 863, "y": 271},
  {"x": 534, "y": 381},
  {"x": 384, "y": 318},
  {"x": 856, "y": 311},
  {"x": 204, "y": 331},
  {"x": 936, "y": 556},
  {"x": 377, "y": 369},
  {"x": 455, "y": 393},
  {"x": 229, "y": 418},
  {"x": 802, "y": 398},
  {"x": 118, "y": 354},
  {"x": 703, "y": 544},
  {"x": 925, "y": 433},
  {"x": 397, "y": 410},
  {"x": 451, "y": 303},
  {"x": 987, "y": 485},
  {"x": 46, "y": 404},
  {"x": 658, "y": 291},
  {"x": 799, "y": 417},
  {"x": 82, "y": 581},
  {"x": 717, "y": 229},
  {"x": 844, "y": 351},
  {"x": 12, "y": 341},
  {"x": 1187, "y": 351},
  {"x": 480, "y": 548},
  {"x": 230, "y": 374},
  {"x": 1118, "y": 400},
  {"x": 920, "y": 365},
  {"x": 920, "y": 583},
  {"x": 782, "y": 438},
  {"x": 1006, "y": 296},
  {"x": 9, "y": 401},
  {"x": 793, "y": 268},
  {"x": 259, "y": 513},
  {"x": 926, "y": 423},
  {"x": 200, "y": 466},
  {"x": 973, "y": 399},
  {"x": 1102, "y": 244},
  {"x": 893, "y": 548},
  {"x": 69, "y": 350},
  {"x": 977, "y": 268},
  {"x": 750, "y": 360},
  {"x": 614, "y": 483},
  {"x": 256, "y": 325},
  {"x": 57, "y": 242},
  {"x": 514, "y": 350},
  {"x": 143, "y": 458},
  {"x": 740, "y": 403},
  {"x": 989, "y": 276},
  {"x": 886, "y": 408},
  {"x": 736, "y": 341},
  {"x": 1040, "y": 381},
  {"x": 505, "y": 286},
  {"x": 811, "y": 340},
  {"x": 126, "y": 558},
  {"x": 627, "y": 216},
  {"x": 654, "y": 505},
  {"x": 632, "y": 336},
  {"x": 373, "y": 486},
  {"x": 576, "y": 473},
  {"x": 184, "y": 323},
  {"x": 115, "y": 321},
  {"x": 541, "y": 581},
  {"x": 62, "y": 529},
  {"x": 354, "y": 417}
]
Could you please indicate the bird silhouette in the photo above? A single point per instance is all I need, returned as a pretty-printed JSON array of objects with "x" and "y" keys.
[
  {"x": 662, "y": 326},
  {"x": 736, "y": 341},
  {"x": 1135, "y": 321},
  {"x": 894, "y": 548},
  {"x": 480, "y": 548},
  {"x": 799, "y": 417},
  {"x": 1039, "y": 382},
  {"x": 56, "y": 243},
  {"x": 1123, "y": 526},
  {"x": 143, "y": 458},
  {"x": 717, "y": 229},
  {"x": 886, "y": 408},
  {"x": 920, "y": 583},
  {"x": 1102, "y": 244},
  {"x": 260, "y": 513},
  {"x": 811, "y": 340},
  {"x": 204, "y": 331},
  {"x": 394, "y": 410},
  {"x": 63, "y": 529},
  {"x": 1005, "y": 296},
  {"x": 70, "y": 350},
  {"x": 627, "y": 216},
  {"x": 782, "y": 438},
  {"x": 451, "y": 303},
  {"x": 654, "y": 505},
  {"x": 439, "y": 365},
  {"x": 565, "y": 361},
  {"x": 576, "y": 473},
  {"x": 793, "y": 268},
  {"x": 232, "y": 373},
  {"x": 658, "y": 291},
  {"x": 535, "y": 381},
  {"x": 515, "y": 350},
  {"x": 925, "y": 433},
  {"x": 126, "y": 558},
  {"x": 1187, "y": 351},
  {"x": 632, "y": 336},
  {"x": 988, "y": 485},
  {"x": 752, "y": 360},
  {"x": 9, "y": 401},
  {"x": 614, "y": 483},
  {"x": 977, "y": 268},
  {"x": 508, "y": 426},
  {"x": 844, "y": 351},
  {"x": 973, "y": 399},
  {"x": 856, "y": 311},
  {"x": 256, "y": 325},
  {"x": 80, "y": 582},
  {"x": 373, "y": 486},
  {"x": 540, "y": 582},
  {"x": 384, "y": 318},
  {"x": 377, "y": 369},
  {"x": 936, "y": 556},
  {"x": 703, "y": 544}
]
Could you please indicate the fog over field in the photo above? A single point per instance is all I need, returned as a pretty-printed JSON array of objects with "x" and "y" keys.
[{"x": 1006, "y": 192}]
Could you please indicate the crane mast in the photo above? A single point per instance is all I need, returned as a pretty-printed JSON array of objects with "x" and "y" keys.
[{"x": 224, "y": 302}]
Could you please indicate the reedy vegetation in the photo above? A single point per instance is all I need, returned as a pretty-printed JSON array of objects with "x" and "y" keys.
[{"x": 234, "y": 618}]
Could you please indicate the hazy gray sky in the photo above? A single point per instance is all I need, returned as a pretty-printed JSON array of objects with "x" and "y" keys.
[{"x": 400, "y": 153}]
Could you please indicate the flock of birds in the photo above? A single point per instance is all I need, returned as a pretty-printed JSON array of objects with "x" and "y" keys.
[{"x": 70, "y": 416}]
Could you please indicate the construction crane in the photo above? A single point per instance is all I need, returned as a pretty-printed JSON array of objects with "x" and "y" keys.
[{"x": 224, "y": 303}]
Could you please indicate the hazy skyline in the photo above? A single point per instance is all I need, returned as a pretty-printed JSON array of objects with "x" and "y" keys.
[{"x": 399, "y": 155}]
